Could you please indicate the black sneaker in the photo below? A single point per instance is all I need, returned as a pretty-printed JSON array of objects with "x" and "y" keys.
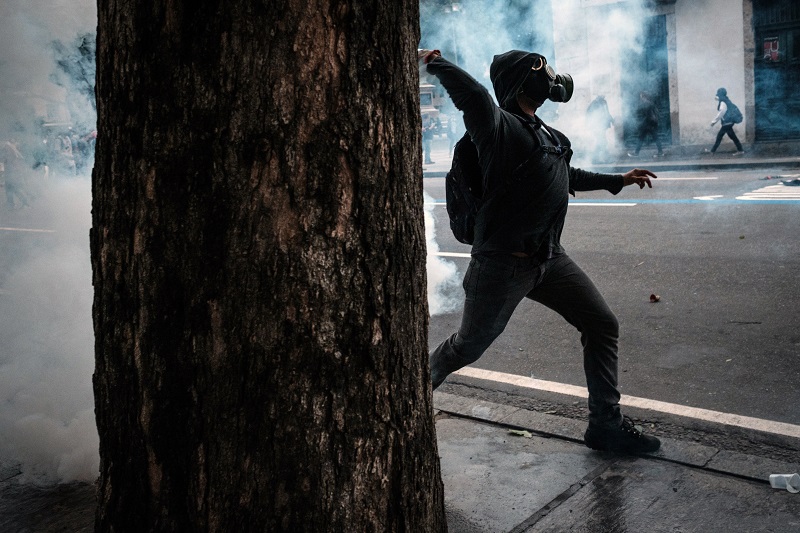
[{"x": 625, "y": 439}]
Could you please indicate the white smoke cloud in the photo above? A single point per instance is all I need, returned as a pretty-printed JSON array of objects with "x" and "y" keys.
[
  {"x": 444, "y": 295},
  {"x": 46, "y": 402},
  {"x": 476, "y": 30},
  {"x": 47, "y": 420}
]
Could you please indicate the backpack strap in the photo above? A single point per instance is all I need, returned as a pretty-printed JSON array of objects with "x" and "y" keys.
[{"x": 559, "y": 149}]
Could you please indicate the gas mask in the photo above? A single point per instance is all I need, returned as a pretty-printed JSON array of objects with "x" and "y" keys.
[{"x": 543, "y": 83}]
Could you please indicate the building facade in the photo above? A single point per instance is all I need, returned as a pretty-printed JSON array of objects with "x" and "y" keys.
[{"x": 681, "y": 52}]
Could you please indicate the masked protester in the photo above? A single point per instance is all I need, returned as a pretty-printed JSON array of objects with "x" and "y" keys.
[
  {"x": 727, "y": 116},
  {"x": 516, "y": 251}
]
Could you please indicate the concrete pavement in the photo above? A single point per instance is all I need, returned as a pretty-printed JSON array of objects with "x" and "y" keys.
[{"x": 507, "y": 469}]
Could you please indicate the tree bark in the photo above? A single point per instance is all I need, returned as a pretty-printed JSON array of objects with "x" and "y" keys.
[{"x": 258, "y": 261}]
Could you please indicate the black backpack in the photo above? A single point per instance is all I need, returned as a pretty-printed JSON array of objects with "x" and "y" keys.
[
  {"x": 464, "y": 190},
  {"x": 464, "y": 186},
  {"x": 733, "y": 114}
]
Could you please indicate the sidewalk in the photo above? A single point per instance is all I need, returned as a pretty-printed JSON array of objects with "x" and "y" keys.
[
  {"x": 538, "y": 478},
  {"x": 547, "y": 480},
  {"x": 678, "y": 158}
]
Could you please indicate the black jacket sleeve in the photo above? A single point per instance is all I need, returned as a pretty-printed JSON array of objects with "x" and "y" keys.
[
  {"x": 481, "y": 114},
  {"x": 582, "y": 180}
]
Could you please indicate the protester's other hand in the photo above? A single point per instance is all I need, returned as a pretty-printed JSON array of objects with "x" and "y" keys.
[{"x": 639, "y": 176}]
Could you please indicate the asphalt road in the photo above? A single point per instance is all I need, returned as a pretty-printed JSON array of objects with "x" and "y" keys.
[{"x": 721, "y": 249}]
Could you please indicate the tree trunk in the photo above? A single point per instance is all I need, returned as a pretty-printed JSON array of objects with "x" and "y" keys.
[{"x": 258, "y": 256}]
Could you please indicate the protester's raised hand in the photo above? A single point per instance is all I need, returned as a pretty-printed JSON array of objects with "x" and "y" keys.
[{"x": 426, "y": 56}]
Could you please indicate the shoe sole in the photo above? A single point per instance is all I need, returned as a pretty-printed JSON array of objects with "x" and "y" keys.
[
  {"x": 602, "y": 447},
  {"x": 624, "y": 451}
]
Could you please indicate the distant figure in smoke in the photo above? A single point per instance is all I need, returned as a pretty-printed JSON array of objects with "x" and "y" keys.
[
  {"x": 66, "y": 156},
  {"x": 80, "y": 152},
  {"x": 647, "y": 117},
  {"x": 63, "y": 156},
  {"x": 598, "y": 120},
  {"x": 13, "y": 174},
  {"x": 428, "y": 128},
  {"x": 516, "y": 252},
  {"x": 726, "y": 112}
]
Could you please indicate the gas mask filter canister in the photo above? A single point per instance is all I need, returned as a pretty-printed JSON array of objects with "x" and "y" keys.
[{"x": 542, "y": 83}]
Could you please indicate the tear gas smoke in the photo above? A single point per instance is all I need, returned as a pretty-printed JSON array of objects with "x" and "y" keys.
[
  {"x": 47, "y": 411},
  {"x": 472, "y": 32},
  {"x": 444, "y": 294},
  {"x": 47, "y": 420}
]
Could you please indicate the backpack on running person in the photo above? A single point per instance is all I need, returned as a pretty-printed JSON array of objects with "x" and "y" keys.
[
  {"x": 733, "y": 114},
  {"x": 464, "y": 190}
]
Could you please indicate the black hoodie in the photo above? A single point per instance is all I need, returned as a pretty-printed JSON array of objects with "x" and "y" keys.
[{"x": 527, "y": 181}]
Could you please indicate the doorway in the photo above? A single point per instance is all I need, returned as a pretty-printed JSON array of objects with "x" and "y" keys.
[
  {"x": 648, "y": 71},
  {"x": 777, "y": 69}
]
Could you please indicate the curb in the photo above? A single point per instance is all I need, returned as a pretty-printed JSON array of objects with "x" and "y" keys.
[{"x": 684, "y": 453}]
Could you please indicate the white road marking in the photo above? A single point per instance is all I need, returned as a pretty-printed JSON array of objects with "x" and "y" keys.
[
  {"x": 601, "y": 204},
  {"x": 574, "y": 202},
  {"x": 708, "y": 198},
  {"x": 686, "y": 179},
  {"x": 29, "y": 230},
  {"x": 773, "y": 192},
  {"x": 730, "y": 419},
  {"x": 451, "y": 254}
]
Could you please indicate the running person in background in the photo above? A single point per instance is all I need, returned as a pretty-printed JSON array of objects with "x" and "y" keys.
[{"x": 724, "y": 107}]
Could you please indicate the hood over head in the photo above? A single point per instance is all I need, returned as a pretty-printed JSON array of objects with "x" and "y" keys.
[{"x": 508, "y": 72}]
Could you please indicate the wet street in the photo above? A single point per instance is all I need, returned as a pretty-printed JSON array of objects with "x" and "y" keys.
[{"x": 719, "y": 248}]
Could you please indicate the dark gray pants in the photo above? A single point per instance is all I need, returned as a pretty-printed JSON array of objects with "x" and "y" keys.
[
  {"x": 727, "y": 129},
  {"x": 495, "y": 285}
]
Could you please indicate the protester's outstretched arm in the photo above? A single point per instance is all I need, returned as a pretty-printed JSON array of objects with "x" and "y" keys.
[
  {"x": 481, "y": 114},
  {"x": 583, "y": 180},
  {"x": 639, "y": 176}
]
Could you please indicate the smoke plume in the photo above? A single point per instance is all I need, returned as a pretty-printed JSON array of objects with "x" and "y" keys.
[
  {"x": 472, "y": 32},
  {"x": 46, "y": 354},
  {"x": 444, "y": 294}
]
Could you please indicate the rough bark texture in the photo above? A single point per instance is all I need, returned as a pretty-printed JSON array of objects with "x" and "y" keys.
[{"x": 259, "y": 269}]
